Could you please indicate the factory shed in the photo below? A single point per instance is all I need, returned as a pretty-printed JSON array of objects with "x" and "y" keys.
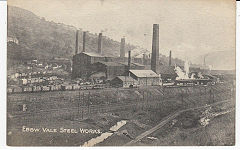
[
  {"x": 82, "y": 63},
  {"x": 110, "y": 69},
  {"x": 123, "y": 81},
  {"x": 145, "y": 77},
  {"x": 89, "y": 57},
  {"x": 109, "y": 64},
  {"x": 167, "y": 73},
  {"x": 134, "y": 65}
]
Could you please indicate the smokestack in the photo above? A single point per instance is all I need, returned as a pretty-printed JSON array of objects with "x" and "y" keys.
[
  {"x": 129, "y": 60},
  {"x": 155, "y": 48},
  {"x": 100, "y": 43},
  {"x": 122, "y": 48},
  {"x": 84, "y": 41},
  {"x": 170, "y": 58},
  {"x": 144, "y": 59},
  {"x": 76, "y": 48}
]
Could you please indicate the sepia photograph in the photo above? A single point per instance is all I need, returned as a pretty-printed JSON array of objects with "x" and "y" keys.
[{"x": 94, "y": 73}]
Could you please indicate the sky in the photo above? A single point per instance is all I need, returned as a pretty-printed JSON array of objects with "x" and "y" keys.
[{"x": 189, "y": 28}]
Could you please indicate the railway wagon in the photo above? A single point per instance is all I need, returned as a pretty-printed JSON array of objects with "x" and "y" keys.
[
  {"x": 66, "y": 87},
  {"x": 9, "y": 90},
  {"x": 53, "y": 87},
  {"x": 59, "y": 87},
  {"x": 75, "y": 87},
  {"x": 86, "y": 87},
  {"x": 98, "y": 86},
  {"x": 28, "y": 89},
  {"x": 193, "y": 82},
  {"x": 17, "y": 89},
  {"x": 45, "y": 88},
  {"x": 37, "y": 88}
]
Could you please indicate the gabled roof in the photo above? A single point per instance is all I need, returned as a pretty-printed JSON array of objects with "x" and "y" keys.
[
  {"x": 92, "y": 54},
  {"x": 132, "y": 63},
  {"x": 110, "y": 63},
  {"x": 126, "y": 78},
  {"x": 144, "y": 73},
  {"x": 137, "y": 64}
]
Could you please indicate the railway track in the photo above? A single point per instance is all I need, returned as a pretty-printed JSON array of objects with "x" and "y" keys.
[
  {"x": 167, "y": 119},
  {"x": 92, "y": 109}
]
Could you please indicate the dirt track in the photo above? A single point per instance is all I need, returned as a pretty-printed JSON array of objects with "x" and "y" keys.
[{"x": 166, "y": 120}]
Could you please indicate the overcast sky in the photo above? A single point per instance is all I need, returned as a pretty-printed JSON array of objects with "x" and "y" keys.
[{"x": 189, "y": 28}]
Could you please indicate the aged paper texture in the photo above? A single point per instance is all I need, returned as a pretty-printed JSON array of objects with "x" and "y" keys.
[{"x": 121, "y": 73}]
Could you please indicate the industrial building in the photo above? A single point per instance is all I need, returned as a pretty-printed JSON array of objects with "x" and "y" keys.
[
  {"x": 145, "y": 77},
  {"x": 95, "y": 65},
  {"x": 137, "y": 78},
  {"x": 124, "y": 81},
  {"x": 107, "y": 70},
  {"x": 167, "y": 73},
  {"x": 123, "y": 71}
]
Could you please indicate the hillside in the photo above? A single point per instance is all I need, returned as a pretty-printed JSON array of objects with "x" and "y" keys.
[
  {"x": 39, "y": 38},
  {"x": 49, "y": 39}
]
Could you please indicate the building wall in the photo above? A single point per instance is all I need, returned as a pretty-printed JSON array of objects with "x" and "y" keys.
[
  {"x": 110, "y": 71},
  {"x": 138, "y": 60},
  {"x": 166, "y": 77},
  {"x": 146, "y": 80},
  {"x": 83, "y": 66},
  {"x": 113, "y": 71},
  {"x": 96, "y": 59},
  {"x": 116, "y": 59},
  {"x": 116, "y": 82},
  {"x": 137, "y": 67}
]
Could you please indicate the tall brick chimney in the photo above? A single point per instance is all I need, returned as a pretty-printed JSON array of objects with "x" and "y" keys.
[
  {"x": 144, "y": 59},
  {"x": 100, "y": 43},
  {"x": 76, "y": 46},
  {"x": 122, "y": 48},
  {"x": 170, "y": 58},
  {"x": 155, "y": 48},
  {"x": 129, "y": 60},
  {"x": 84, "y": 41}
]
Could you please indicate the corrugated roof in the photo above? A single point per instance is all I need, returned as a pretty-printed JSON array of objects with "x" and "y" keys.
[
  {"x": 126, "y": 78},
  {"x": 132, "y": 63},
  {"x": 92, "y": 54},
  {"x": 144, "y": 73},
  {"x": 137, "y": 64},
  {"x": 110, "y": 63}
]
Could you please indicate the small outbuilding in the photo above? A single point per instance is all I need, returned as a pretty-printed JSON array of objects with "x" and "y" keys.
[
  {"x": 145, "y": 77},
  {"x": 124, "y": 81}
]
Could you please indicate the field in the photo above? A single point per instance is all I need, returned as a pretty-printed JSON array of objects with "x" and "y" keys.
[{"x": 142, "y": 107}]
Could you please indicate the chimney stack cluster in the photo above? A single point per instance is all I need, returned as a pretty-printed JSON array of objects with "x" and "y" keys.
[
  {"x": 155, "y": 48},
  {"x": 154, "y": 55}
]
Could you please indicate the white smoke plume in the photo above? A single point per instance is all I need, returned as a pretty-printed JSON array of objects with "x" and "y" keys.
[{"x": 181, "y": 75}]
